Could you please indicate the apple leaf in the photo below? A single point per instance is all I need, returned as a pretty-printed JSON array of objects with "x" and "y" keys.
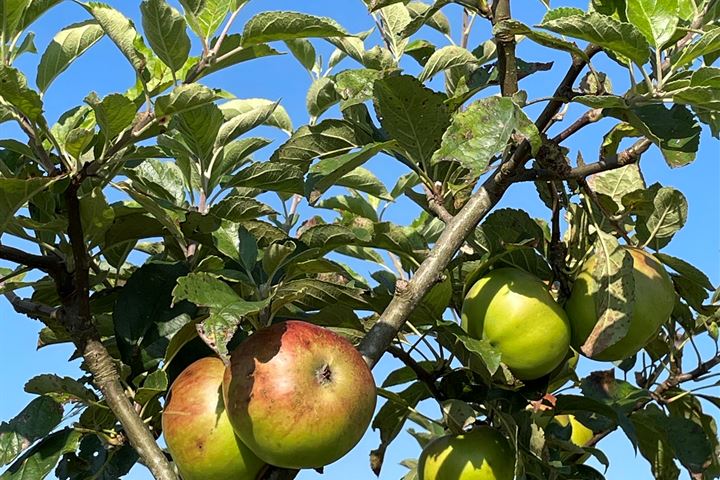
[
  {"x": 615, "y": 296},
  {"x": 62, "y": 389},
  {"x": 144, "y": 322},
  {"x": 413, "y": 115},
  {"x": 272, "y": 26},
  {"x": 227, "y": 308},
  {"x": 618, "y": 37},
  {"x": 39, "y": 461},
  {"x": 65, "y": 48},
  {"x": 35, "y": 421},
  {"x": 483, "y": 130},
  {"x": 326, "y": 172}
]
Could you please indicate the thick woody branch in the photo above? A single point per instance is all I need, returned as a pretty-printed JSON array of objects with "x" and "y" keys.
[
  {"x": 45, "y": 263},
  {"x": 77, "y": 318},
  {"x": 29, "y": 308},
  {"x": 381, "y": 336}
]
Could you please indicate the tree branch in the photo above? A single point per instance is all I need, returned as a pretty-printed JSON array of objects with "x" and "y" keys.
[
  {"x": 381, "y": 335},
  {"x": 29, "y": 308},
  {"x": 630, "y": 155},
  {"x": 591, "y": 116},
  {"x": 507, "y": 62},
  {"x": 77, "y": 318},
  {"x": 46, "y": 263},
  {"x": 423, "y": 375}
]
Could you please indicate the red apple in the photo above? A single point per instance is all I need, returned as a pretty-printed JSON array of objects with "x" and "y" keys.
[
  {"x": 299, "y": 395},
  {"x": 197, "y": 430}
]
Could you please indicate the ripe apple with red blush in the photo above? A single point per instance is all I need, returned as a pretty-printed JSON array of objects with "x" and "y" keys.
[{"x": 299, "y": 395}]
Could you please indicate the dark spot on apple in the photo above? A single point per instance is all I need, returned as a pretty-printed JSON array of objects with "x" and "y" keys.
[
  {"x": 200, "y": 445},
  {"x": 324, "y": 375}
]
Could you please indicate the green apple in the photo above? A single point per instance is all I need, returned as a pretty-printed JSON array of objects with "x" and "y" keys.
[
  {"x": 299, "y": 395},
  {"x": 197, "y": 430},
  {"x": 480, "y": 454},
  {"x": 514, "y": 311},
  {"x": 654, "y": 301}
]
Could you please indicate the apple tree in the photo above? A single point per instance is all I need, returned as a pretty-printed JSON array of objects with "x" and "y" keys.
[{"x": 154, "y": 226}]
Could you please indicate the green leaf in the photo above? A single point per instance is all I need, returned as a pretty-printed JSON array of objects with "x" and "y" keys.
[
  {"x": 11, "y": 12},
  {"x": 114, "y": 113},
  {"x": 198, "y": 130},
  {"x": 436, "y": 19},
  {"x": 236, "y": 208},
  {"x": 364, "y": 180},
  {"x": 209, "y": 16},
  {"x": 518, "y": 28},
  {"x": 618, "y": 37},
  {"x": 96, "y": 461},
  {"x": 476, "y": 354},
  {"x": 669, "y": 214},
  {"x": 392, "y": 416},
  {"x": 155, "y": 384},
  {"x": 96, "y": 216},
  {"x": 166, "y": 32},
  {"x": 160, "y": 179},
  {"x": 274, "y": 176},
  {"x": 328, "y": 138},
  {"x": 355, "y": 86},
  {"x": 413, "y": 115},
  {"x": 15, "y": 192},
  {"x": 395, "y": 18},
  {"x": 709, "y": 42},
  {"x": 325, "y": 173},
  {"x": 231, "y": 53},
  {"x": 354, "y": 204},
  {"x": 321, "y": 96},
  {"x": 656, "y": 19},
  {"x": 36, "y": 420},
  {"x": 236, "y": 242},
  {"x": 272, "y": 26},
  {"x": 184, "y": 98},
  {"x": 227, "y": 309},
  {"x": 615, "y": 298},
  {"x": 654, "y": 444},
  {"x": 617, "y": 183},
  {"x": 303, "y": 51},
  {"x": 66, "y": 46},
  {"x": 120, "y": 30},
  {"x": 483, "y": 130},
  {"x": 445, "y": 58},
  {"x": 62, "y": 389},
  {"x": 420, "y": 50},
  {"x": 256, "y": 109},
  {"x": 674, "y": 130},
  {"x": 687, "y": 270},
  {"x": 142, "y": 322},
  {"x": 17, "y": 94},
  {"x": 37, "y": 463},
  {"x": 234, "y": 155}
]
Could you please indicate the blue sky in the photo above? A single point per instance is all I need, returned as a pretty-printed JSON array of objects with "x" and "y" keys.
[{"x": 104, "y": 70}]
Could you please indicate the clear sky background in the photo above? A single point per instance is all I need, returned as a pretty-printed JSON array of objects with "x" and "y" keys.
[{"x": 104, "y": 71}]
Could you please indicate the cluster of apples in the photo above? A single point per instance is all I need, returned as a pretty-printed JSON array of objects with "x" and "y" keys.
[
  {"x": 294, "y": 395},
  {"x": 514, "y": 311}
]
